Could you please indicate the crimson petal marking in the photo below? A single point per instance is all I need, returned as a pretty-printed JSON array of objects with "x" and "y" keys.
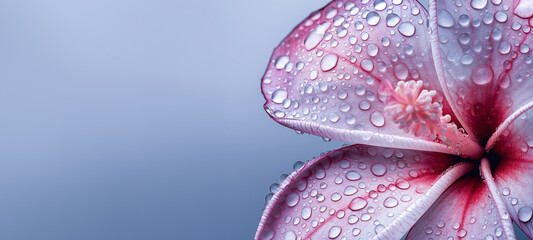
[
  {"x": 500, "y": 205},
  {"x": 514, "y": 173},
  {"x": 464, "y": 211},
  {"x": 483, "y": 58},
  {"x": 356, "y": 191},
  {"x": 328, "y": 71}
]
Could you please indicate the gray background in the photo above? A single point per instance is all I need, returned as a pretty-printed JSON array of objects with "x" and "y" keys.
[{"x": 132, "y": 119}]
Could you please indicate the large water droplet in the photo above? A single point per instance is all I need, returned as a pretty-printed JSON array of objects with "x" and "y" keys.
[
  {"x": 306, "y": 213},
  {"x": 392, "y": 20},
  {"x": 390, "y": 202},
  {"x": 292, "y": 199},
  {"x": 372, "y": 18},
  {"x": 524, "y": 9},
  {"x": 445, "y": 19},
  {"x": 334, "y": 232},
  {"x": 316, "y": 35},
  {"x": 525, "y": 213},
  {"x": 357, "y": 204},
  {"x": 378, "y": 169},
  {"x": 353, "y": 176},
  {"x": 500, "y": 16},
  {"x": 478, "y": 4},
  {"x": 290, "y": 235},
  {"x": 372, "y": 49},
  {"x": 377, "y": 119},
  {"x": 329, "y": 62},
  {"x": 281, "y": 62},
  {"x": 401, "y": 183},
  {"x": 407, "y": 29},
  {"x": 482, "y": 74},
  {"x": 279, "y": 95}
]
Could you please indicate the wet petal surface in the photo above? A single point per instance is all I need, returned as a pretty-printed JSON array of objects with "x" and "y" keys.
[
  {"x": 514, "y": 174},
  {"x": 357, "y": 192},
  {"x": 484, "y": 58},
  {"x": 464, "y": 211},
  {"x": 328, "y": 76}
]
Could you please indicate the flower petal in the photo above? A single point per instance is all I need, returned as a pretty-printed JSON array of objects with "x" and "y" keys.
[
  {"x": 483, "y": 58},
  {"x": 358, "y": 191},
  {"x": 325, "y": 77},
  {"x": 464, "y": 211},
  {"x": 514, "y": 174}
]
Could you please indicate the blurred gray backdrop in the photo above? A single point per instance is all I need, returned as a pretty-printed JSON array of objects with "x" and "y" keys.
[{"x": 132, "y": 119}]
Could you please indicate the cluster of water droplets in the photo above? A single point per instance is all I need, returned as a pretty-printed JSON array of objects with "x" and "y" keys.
[
  {"x": 329, "y": 69},
  {"x": 355, "y": 192}
]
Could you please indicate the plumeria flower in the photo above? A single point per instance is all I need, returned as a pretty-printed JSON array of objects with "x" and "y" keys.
[{"x": 438, "y": 104}]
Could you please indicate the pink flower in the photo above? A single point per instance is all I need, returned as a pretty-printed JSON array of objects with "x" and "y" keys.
[{"x": 439, "y": 105}]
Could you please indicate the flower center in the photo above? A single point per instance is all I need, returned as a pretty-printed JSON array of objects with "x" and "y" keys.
[{"x": 414, "y": 109}]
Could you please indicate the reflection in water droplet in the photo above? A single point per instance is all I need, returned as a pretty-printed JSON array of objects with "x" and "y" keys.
[
  {"x": 357, "y": 204},
  {"x": 482, "y": 74},
  {"x": 329, "y": 62},
  {"x": 378, "y": 169},
  {"x": 525, "y": 213},
  {"x": 377, "y": 119},
  {"x": 407, "y": 29},
  {"x": 334, "y": 232},
  {"x": 478, "y": 4},
  {"x": 445, "y": 19}
]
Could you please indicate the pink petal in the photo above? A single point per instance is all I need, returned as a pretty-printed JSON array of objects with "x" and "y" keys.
[
  {"x": 358, "y": 191},
  {"x": 325, "y": 77},
  {"x": 464, "y": 211},
  {"x": 482, "y": 54},
  {"x": 514, "y": 173}
]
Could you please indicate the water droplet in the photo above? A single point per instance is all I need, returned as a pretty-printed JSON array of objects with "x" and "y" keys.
[
  {"x": 372, "y": 49},
  {"x": 364, "y": 105},
  {"x": 290, "y": 235},
  {"x": 306, "y": 213},
  {"x": 281, "y": 62},
  {"x": 407, "y": 29},
  {"x": 390, "y": 202},
  {"x": 525, "y": 213},
  {"x": 500, "y": 16},
  {"x": 524, "y": 9},
  {"x": 367, "y": 65},
  {"x": 380, "y": 5},
  {"x": 372, "y": 18},
  {"x": 505, "y": 47},
  {"x": 461, "y": 233},
  {"x": 316, "y": 35},
  {"x": 350, "y": 190},
  {"x": 401, "y": 183},
  {"x": 279, "y": 95},
  {"x": 445, "y": 19},
  {"x": 353, "y": 176},
  {"x": 377, "y": 119},
  {"x": 329, "y": 62},
  {"x": 482, "y": 74},
  {"x": 292, "y": 199},
  {"x": 357, "y": 204},
  {"x": 392, "y": 20},
  {"x": 378, "y": 169},
  {"x": 334, "y": 232},
  {"x": 336, "y": 197},
  {"x": 478, "y": 4}
]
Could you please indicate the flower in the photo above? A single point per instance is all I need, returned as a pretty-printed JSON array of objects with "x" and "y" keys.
[{"x": 438, "y": 105}]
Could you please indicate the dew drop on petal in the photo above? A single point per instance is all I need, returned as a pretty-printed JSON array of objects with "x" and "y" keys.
[
  {"x": 524, "y": 9},
  {"x": 357, "y": 204},
  {"x": 290, "y": 235},
  {"x": 334, "y": 232},
  {"x": 390, "y": 202},
  {"x": 482, "y": 75},
  {"x": 525, "y": 213},
  {"x": 316, "y": 35},
  {"x": 306, "y": 213},
  {"x": 353, "y": 176},
  {"x": 292, "y": 199},
  {"x": 367, "y": 65},
  {"x": 279, "y": 95},
  {"x": 329, "y": 62},
  {"x": 378, "y": 169},
  {"x": 407, "y": 29},
  {"x": 372, "y": 18},
  {"x": 445, "y": 19},
  {"x": 281, "y": 62},
  {"x": 478, "y": 4},
  {"x": 377, "y": 119},
  {"x": 392, "y": 20}
]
